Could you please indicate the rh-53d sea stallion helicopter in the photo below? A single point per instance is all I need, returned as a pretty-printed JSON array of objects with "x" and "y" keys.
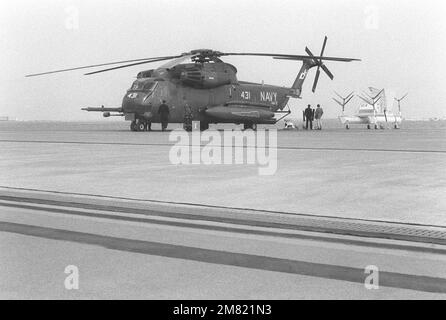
[{"x": 206, "y": 89}]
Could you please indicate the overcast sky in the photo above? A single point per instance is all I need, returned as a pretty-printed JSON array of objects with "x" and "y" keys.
[{"x": 401, "y": 44}]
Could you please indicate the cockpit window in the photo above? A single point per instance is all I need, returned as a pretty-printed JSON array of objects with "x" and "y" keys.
[
  {"x": 143, "y": 86},
  {"x": 137, "y": 85},
  {"x": 150, "y": 86}
]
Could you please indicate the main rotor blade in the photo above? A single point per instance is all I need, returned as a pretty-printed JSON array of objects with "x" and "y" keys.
[
  {"x": 154, "y": 59},
  {"x": 97, "y": 65},
  {"x": 316, "y": 57},
  {"x": 285, "y": 56},
  {"x": 403, "y": 97},
  {"x": 129, "y": 65},
  {"x": 263, "y": 55},
  {"x": 176, "y": 61}
]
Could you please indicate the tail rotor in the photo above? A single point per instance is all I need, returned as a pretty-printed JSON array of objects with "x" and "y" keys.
[{"x": 319, "y": 63}]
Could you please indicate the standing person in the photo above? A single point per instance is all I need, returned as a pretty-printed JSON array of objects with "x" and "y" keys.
[
  {"x": 149, "y": 117},
  {"x": 188, "y": 117},
  {"x": 312, "y": 114},
  {"x": 308, "y": 117},
  {"x": 163, "y": 111},
  {"x": 318, "y": 116}
]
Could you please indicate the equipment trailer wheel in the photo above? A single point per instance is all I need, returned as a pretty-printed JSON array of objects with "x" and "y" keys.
[
  {"x": 133, "y": 126},
  {"x": 141, "y": 126},
  {"x": 187, "y": 127},
  {"x": 252, "y": 126}
]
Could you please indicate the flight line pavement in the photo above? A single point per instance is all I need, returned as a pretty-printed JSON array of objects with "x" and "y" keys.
[
  {"x": 391, "y": 175},
  {"x": 395, "y": 176},
  {"x": 152, "y": 255}
]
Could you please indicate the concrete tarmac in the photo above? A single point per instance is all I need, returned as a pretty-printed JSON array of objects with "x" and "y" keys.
[{"x": 395, "y": 176}]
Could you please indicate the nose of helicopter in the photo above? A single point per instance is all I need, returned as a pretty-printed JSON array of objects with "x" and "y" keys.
[{"x": 139, "y": 102}]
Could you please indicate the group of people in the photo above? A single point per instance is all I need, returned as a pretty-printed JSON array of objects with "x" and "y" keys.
[{"x": 309, "y": 115}]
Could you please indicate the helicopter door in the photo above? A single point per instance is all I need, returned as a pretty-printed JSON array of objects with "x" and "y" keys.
[{"x": 211, "y": 97}]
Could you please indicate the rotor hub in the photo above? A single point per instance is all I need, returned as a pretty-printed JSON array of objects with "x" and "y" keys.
[{"x": 204, "y": 55}]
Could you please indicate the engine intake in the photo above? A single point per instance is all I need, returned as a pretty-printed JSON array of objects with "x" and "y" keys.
[{"x": 205, "y": 76}]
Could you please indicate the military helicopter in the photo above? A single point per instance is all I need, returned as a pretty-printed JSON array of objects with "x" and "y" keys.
[{"x": 198, "y": 85}]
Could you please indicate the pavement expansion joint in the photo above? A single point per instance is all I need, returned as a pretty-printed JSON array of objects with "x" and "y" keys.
[{"x": 361, "y": 228}]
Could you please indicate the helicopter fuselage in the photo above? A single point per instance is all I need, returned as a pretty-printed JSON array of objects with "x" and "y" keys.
[{"x": 212, "y": 96}]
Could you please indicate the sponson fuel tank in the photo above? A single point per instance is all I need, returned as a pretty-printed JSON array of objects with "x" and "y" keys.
[{"x": 241, "y": 114}]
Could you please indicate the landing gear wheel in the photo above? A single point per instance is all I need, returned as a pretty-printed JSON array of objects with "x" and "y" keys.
[
  {"x": 187, "y": 127},
  {"x": 368, "y": 126},
  {"x": 396, "y": 126},
  {"x": 376, "y": 127},
  {"x": 141, "y": 126},
  {"x": 347, "y": 125},
  {"x": 252, "y": 126},
  {"x": 133, "y": 126},
  {"x": 187, "y": 124},
  {"x": 204, "y": 126}
]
